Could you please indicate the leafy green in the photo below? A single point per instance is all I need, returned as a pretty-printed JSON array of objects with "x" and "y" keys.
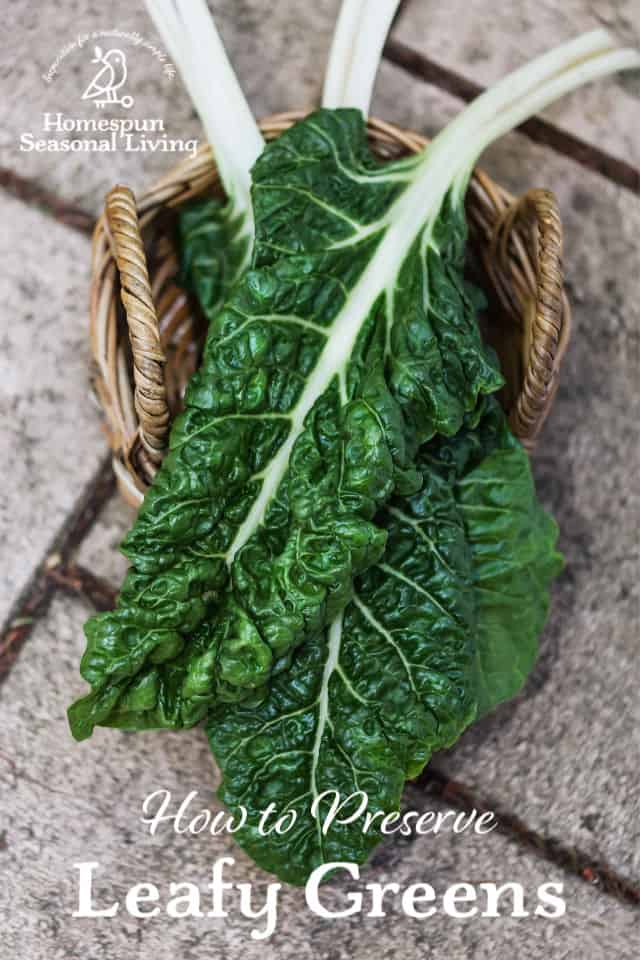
[
  {"x": 512, "y": 542},
  {"x": 342, "y": 561},
  {"x": 441, "y": 629},
  {"x": 351, "y": 341},
  {"x": 364, "y": 704},
  {"x": 213, "y": 251}
]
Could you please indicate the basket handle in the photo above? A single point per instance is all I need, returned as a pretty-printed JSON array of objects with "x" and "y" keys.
[
  {"x": 150, "y": 396},
  {"x": 526, "y": 265}
]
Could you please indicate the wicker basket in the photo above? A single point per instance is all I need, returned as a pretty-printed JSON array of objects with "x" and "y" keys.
[{"x": 144, "y": 355}]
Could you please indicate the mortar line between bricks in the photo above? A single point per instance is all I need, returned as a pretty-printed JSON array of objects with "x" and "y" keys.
[
  {"x": 33, "y": 601},
  {"x": 540, "y": 131},
  {"x": 77, "y": 580},
  {"x": 33, "y": 194}
]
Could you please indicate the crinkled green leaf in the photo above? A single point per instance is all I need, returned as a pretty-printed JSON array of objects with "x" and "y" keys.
[
  {"x": 364, "y": 704},
  {"x": 441, "y": 629},
  {"x": 213, "y": 251},
  {"x": 348, "y": 344},
  {"x": 513, "y": 544}
]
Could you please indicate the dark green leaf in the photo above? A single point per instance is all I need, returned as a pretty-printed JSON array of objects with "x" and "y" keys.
[
  {"x": 513, "y": 544},
  {"x": 213, "y": 252},
  {"x": 440, "y": 630},
  {"x": 349, "y": 343},
  {"x": 364, "y": 704}
]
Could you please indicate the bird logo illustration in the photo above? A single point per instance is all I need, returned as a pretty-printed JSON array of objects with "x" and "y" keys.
[{"x": 109, "y": 80}]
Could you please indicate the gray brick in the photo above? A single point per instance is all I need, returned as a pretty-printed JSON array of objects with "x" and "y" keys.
[
  {"x": 49, "y": 431},
  {"x": 99, "y": 551}
]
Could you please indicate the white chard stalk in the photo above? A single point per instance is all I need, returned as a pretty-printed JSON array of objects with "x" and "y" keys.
[
  {"x": 356, "y": 50},
  {"x": 449, "y": 159},
  {"x": 189, "y": 33},
  {"x": 599, "y": 65}
]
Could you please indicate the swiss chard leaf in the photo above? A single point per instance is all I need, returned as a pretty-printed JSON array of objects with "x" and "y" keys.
[
  {"x": 439, "y": 630},
  {"x": 364, "y": 704},
  {"x": 352, "y": 340},
  {"x": 513, "y": 544},
  {"x": 213, "y": 251}
]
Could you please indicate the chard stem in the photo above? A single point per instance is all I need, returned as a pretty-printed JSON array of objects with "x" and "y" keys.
[
  {"x": 524, "y": 80},
  {"x": 190, "y": 35},
  {"x": 340, "y": 55},
  {"x": 358, "y": 41},
  {"x": 450, "y": 158},
  {"x": 589, "y": 69}
]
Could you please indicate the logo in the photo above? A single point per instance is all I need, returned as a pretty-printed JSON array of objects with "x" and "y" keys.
[
  {"x": 109, "y": 80},
  {"x": 113, "y": 75}
]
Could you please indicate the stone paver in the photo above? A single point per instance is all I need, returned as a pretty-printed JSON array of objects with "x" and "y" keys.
[
  {"x": 566, "y": 755},
  {"x": 49, "y": 432},
  {"x": 268, "y": 45},
  {"x": 77, "y": 802},
  {"x": 483, "y": 40},
  {"x": 99, "y": 549}
]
